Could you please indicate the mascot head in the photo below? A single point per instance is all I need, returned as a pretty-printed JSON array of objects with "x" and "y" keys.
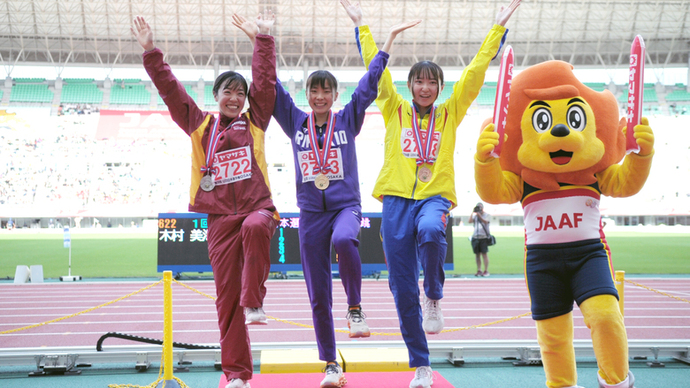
[{"x": 559, "y": 130}]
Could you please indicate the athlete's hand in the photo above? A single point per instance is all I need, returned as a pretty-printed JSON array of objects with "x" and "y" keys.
[
  {"x": 354, "y": 11},
  {"x": 250, "y": 28},
  {"x": 265, "y": 21},
  {"x": 395, "y": 30},
  {"x": 505, "y": 13},
  {"x": 143, "y": 33}
]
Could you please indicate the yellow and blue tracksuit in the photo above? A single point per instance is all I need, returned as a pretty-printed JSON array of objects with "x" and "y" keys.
[{"x": 415, "y": 213}]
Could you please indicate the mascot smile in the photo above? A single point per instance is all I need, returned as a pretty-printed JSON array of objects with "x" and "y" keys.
[{"x": 562, "y": 148}]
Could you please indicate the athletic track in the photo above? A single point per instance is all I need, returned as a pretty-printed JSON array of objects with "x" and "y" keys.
[{"x": 467, "y": 302}]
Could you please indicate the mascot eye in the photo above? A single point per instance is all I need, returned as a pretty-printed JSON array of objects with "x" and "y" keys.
[
  {"x": 541, "y": 120},
  {"x": 577, "y": 121}
]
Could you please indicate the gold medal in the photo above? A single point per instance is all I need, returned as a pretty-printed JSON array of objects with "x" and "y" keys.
[
  {"x": 321, "y": 182},
  {"x": 207, "y": 183},
  {"x": 424, "y": 174}
]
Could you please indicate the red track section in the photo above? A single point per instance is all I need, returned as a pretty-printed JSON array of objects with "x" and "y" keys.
[{"x": 467, "y": 302}]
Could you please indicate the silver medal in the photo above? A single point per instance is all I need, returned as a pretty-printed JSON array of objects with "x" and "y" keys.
[{"x": 207, "y": 183}]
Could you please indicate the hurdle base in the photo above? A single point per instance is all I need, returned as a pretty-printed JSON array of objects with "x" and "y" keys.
[{"x": 69, "y": 278}]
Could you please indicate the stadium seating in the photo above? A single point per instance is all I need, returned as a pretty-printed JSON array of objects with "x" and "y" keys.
[
  {"x": 29, "y": 80},
  {"x": 76, "y": 92},
  {"x": 346, "y": 96},
  {"x": 131, "y": 94},
  {"x": 209, "y": 100},
  {"x": 487, "y": 96},
  {"x": 29, "y": 92},
  {"x": 678, "y": 95},
  {"x": 78, "y": 80},
  {"x": 127, "y": 80},
  {"x": 300, "y": 98}
]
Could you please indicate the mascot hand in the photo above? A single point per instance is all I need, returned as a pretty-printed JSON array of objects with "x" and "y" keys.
[
  {"x": 488, "y": 140},
  {"x": 644, "y": 137}
]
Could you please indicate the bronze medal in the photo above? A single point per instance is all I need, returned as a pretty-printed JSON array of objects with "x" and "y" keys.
[
  {"x": 321, "y": 182},
  {"x": 424, "y": 174},
  {"x": 207, "y": 183}
]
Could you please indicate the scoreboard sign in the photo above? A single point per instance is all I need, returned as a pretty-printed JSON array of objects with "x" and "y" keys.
[{"x": 182, "y": 244}]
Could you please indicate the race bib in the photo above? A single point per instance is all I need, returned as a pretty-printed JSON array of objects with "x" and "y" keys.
[
  {"x": 409, "y": 145},
  {"x": 232, "y": 165},
  {"x": 307, "y": 163}
]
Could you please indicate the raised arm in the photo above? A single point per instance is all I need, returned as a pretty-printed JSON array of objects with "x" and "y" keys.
[
  {"x": 143, "y": 33},
  {"x": 354, "y": 11},
  {"x": 506, "y": 12},
  {"x": 395, "y": 30},
  {"x": 262, "y": 92},
  {"x": 183, "y": 109},
  {"x": 262, "y": 25}
]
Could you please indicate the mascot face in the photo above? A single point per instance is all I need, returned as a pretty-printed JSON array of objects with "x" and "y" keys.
[
  {"x": 559, "y": 130},
  {"x": 559, "y": 136}
]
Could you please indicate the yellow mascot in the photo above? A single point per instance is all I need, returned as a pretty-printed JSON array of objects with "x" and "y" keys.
[{"x": 562, "y": 148}]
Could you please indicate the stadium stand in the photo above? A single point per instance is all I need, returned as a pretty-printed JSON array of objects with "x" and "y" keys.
[
  {"x": 487, "y": 95},
  {"x": 80, "y": 172},
  {"x": 129, "y": 94},
  {"x": 678, "y": 95},
  {"x": 346, "y": 96},
  {"x": 29, "y": 80},
  {"x": 300, "y": 99},
  {"x": 76, "y": 92},
  {"x": 30, "y": 92}
]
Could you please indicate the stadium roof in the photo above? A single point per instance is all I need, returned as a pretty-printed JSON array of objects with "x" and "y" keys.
[{"x": 199, "y": 33}]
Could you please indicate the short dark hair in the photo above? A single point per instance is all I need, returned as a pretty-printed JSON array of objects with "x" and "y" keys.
[
  {"x": 322, "y": 78},
  {"x": 426, "y": 69},
  {"x": 230, "y": 80}
]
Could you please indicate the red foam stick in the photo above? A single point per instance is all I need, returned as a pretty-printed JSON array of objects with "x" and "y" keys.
[
  {"x": 505, "y": 78},
  {"x": 635, "y": 92}
]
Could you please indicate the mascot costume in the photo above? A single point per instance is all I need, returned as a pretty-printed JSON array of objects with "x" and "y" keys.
[{"x": 562, "y": 147}]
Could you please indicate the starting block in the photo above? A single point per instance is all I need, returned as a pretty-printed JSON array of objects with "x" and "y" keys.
[{"x": 22, "y": 274}]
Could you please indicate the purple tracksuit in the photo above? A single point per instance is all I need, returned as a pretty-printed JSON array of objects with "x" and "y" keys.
[{"x": 332, "y": 215}]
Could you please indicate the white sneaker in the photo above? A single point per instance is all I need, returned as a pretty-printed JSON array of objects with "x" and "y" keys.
[
  {"x": 423, "y": 377},
  {"x": 254, "y": 316},
  {"x": 357, "y": 323},
  {"x": 334, "y": 377},
  {"x": 433, "y": 316},
  {"x": 629, "y": 382},
  {"x": 238, "y": 383}
]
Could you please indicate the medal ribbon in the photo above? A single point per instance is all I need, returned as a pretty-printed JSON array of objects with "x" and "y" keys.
[
  {"x": 424, "y": 149},
  {"x": 321, "y": 155},
  {"x": 211, "y": 151}
]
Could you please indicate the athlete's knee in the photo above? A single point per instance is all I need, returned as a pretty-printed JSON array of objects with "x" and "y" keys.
[
  {"x": 601, "y": 311},
  {"x": 431, "y": 232},
  {"x": 256, "y": 225},
  {"x": 341, "y": 242}
]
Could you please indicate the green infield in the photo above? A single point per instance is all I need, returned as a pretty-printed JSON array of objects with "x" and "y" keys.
[{"x": 127, "y": 255}]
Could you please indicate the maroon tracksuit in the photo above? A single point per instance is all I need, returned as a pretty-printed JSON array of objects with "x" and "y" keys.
[{"x": 241, "y": 215}]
